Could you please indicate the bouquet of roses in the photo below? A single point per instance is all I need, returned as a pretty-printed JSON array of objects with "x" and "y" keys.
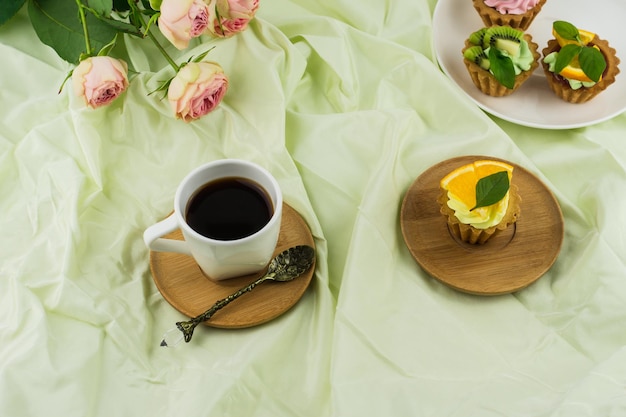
[{"x": 84, "y": 33}]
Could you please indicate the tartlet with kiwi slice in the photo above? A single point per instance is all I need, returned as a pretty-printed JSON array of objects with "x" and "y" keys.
[
  {"x": 578, "y": 64},
  {"x": 500, "y": 59}
]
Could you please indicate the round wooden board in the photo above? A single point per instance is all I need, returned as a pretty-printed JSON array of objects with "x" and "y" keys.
[
  {"x": 507, "y": 262},
  {"x": 187, "y": 289}
]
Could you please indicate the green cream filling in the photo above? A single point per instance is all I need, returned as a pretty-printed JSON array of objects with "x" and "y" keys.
[
  {"x": 550, "y": 59},
  {"x": 521, "y": 62}
]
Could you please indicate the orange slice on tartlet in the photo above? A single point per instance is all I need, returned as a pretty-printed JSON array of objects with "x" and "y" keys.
[
  {"x": 585, "y": 37},
  {"x": 573, "y": 70},
  {"x": 461, "y": 182}
]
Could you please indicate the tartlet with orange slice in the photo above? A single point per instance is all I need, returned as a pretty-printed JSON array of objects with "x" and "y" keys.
[
  {"x": 479, "y": 200},
  {"x": 578, "y": 64}
]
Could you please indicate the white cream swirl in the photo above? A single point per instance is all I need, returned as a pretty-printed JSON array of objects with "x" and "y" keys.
[
  {"x": 512, "y": 6},
  {"x": 482, "y": 217}
]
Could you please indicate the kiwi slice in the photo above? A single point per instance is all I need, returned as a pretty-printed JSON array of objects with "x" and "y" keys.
[
  {"x": 477, "y": 37},
  {"x": 478, "y": 56},
  {"x": 504, "y": 38}
]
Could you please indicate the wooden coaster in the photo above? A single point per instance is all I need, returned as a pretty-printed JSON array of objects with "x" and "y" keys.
[
  {"x": 507, "y": 262},
  {"x": 183, "y": 284}
]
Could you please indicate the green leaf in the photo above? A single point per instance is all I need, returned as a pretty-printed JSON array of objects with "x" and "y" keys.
[
  {"x": 153, "y": 21},
  {"x": 155, "y": 4},
  {"x": 491, "y": 189},
  {"x": 107, "y": 48},
  {"x": 565, "y": 56},
  {"x": 67, "y": 77},
  {"x": 102, "y": 10},
  {"x": 165, "y": 85},
  {"x": 200, "y": 57},
  {"x": 9, "y": 9},
  {"x": 592, "y": 63},
  {"x": 121, "y": 26},
  {"x": 101, "y": 7},
  {"x": 502, "y": 67},
  {"x": 57, "y": 25},
  {"x": 566, "y": 30}
]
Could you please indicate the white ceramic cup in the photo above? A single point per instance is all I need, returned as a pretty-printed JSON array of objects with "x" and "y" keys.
[{"x": 220, "y": 259}]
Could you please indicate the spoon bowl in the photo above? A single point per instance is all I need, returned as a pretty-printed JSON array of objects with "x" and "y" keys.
[{"x": 290, "y": 263}]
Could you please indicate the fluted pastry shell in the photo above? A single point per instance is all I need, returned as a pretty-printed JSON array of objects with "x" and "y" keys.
[
  {"x": 487, "y": 83},
  {"x": 561, "y": 87},
  {"x": 490, "y": 16},
  {"x": 469, "y": 234}
]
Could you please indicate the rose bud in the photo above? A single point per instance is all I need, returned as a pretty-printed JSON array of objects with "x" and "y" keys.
[
  {"x": 229, "y": 17},
  {"x": 100, "y": 80},
  {"x": 197, "y": 89},
  {"x": 182, "y": 20}
]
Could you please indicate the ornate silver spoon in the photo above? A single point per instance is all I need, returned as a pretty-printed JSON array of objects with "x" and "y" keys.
[{"x": 287, "y": 265}]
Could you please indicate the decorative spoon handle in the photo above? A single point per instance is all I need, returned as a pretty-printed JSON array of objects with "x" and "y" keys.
[
  {"x": 285, "y": 266},
  {"x": 187, "y": 327}
]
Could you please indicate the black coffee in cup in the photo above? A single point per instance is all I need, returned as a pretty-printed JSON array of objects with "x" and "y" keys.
[{"x": 229, "y": 208}]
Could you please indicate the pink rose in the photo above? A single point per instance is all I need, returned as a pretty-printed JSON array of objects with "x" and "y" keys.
[
  {"x": 182, "y": 20},
  {"x": 100, "y": 80},
  {"x": 231, "y": 16},
  {"x": 197, "y": 89}
]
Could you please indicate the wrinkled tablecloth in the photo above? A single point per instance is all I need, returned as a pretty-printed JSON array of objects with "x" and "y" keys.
[{"x": 345, "y": 104}]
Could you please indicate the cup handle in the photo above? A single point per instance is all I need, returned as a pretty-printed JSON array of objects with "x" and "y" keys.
[{"x": 153, "y": 237}]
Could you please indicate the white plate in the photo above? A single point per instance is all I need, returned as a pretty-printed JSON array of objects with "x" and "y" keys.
[{"x": 534, "y": 104}]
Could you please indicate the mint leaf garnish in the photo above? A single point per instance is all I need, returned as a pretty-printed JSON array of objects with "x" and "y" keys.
[
  {"x": 592, "y": 63},
  {"x": 566, "y": 30},
  {"x": 565, "y": 56},
  {"x": 502, "y": 67},
  {"x": 491, "y": 189}
]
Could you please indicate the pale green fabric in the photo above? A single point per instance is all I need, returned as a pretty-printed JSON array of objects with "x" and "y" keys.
[{"x": 342, "y": 101}]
